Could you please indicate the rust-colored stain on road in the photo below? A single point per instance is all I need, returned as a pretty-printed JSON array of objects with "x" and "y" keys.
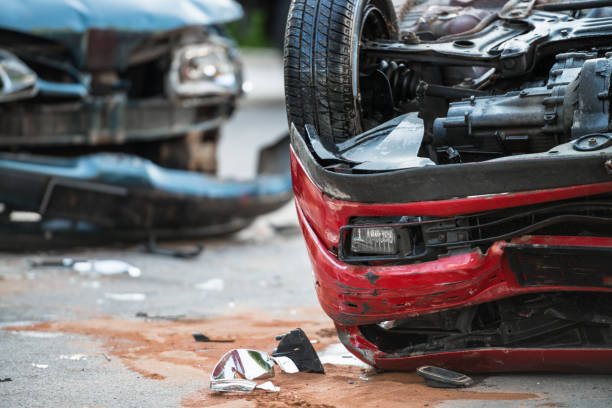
[{"x": 165, "y": 351}]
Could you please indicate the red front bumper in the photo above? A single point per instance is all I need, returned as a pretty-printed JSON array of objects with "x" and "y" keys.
[{"x": 354, "y": 295}]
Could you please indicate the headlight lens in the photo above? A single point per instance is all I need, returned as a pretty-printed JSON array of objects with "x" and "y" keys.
[
  {"x": 204, "y": 69},
  {"x": 375, "y": 241},
  {"x": 17, "y": 80}
]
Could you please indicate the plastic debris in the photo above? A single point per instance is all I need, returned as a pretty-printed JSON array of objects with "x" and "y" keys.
[
  {"x": 437, "y": 377},
  {"x": 268, "y": 386},
  {"x": 126, "y": 297},
  {"x": 43, "y": 366},
  {"x": 286, "y": 365},
  {"x": 91, "y": 267},
  {"x": 336, "y": 354},
  {"x": 213, "y": 285},
  {"x": 74, "y": 357},
  {"x": 296, "y": 346},
  {"x": 199, "y": 337},
  {"x": 6, "y": 379},
  {"x": 232, "y": 385}
]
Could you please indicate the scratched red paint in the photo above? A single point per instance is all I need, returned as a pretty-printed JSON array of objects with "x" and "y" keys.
[{"x": 401, "y": 291}]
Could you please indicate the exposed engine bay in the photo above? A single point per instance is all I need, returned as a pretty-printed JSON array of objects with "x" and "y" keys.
[{"x": 471, "y": 81}]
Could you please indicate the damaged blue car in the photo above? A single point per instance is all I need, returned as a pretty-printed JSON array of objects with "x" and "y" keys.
[{"x": 110, "y": 117}]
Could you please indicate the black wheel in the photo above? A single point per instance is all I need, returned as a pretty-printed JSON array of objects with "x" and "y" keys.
[{"x": 328, "y": 82}]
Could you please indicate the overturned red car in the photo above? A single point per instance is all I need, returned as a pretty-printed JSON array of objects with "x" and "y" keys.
[{"x": 452, "y": 166}]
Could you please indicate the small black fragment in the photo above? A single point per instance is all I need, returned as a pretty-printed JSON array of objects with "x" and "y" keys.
[
  {"x": 205, "y": 339},
  {"x": 200, "y": 337},
  {"x": 437, "y": 377},
  {"x": 185, "y": 253},
  {"x": 6, "y": 379},
  {"x": 298, "y": 348}
]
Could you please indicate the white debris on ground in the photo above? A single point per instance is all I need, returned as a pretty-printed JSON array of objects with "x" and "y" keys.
[
  {"x": 42, "y": 366},
  {"x": 268, "y": 386},
  {"x": 336, "y": 354},
  {"x": 286, "y": 365},
  {"x": 36, "y": 335},
  {"x": 213, "y": 285},
  {"x": 74, "y": 357},
  {"x": 126, "y": 297},
  {"x": 106, "y": 267}
]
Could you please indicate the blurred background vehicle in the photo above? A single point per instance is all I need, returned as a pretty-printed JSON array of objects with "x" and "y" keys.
[{"x": 111, "y": 114}]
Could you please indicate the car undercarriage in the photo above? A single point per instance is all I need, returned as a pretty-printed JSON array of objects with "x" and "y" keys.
[{"x": 452, "y": 165}]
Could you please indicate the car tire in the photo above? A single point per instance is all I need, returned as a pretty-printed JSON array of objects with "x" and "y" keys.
[{"x": 321, "y": 56}]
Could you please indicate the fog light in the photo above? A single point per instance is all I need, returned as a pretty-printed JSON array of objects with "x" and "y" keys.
[{"x": 376, "y": 241}]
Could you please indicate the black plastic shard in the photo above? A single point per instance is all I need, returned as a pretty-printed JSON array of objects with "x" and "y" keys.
[
  {"x": 296, "y": 346},
  {"x": 202, "y": 338},
  {"x": 437, "y": 377}
]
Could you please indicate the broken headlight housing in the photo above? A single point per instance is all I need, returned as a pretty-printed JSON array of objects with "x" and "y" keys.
[
  {"x": 210, "y": 68},
  {"x": 17, "y": 80}
]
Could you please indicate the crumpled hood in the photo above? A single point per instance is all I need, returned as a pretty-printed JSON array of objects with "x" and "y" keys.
[{"x": 47, "y": 16}]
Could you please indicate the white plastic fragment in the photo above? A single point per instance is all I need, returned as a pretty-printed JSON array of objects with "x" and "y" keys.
[
  {"x": 336, "y": 354},
  {"x": 126, "y": 297},
  {"x": 40, "y": 365},
  {"x": 286, "y": 365},
  {"x": 74, "y": 357},
  {"x": 268, "y": 386},
  {"x": 106, "y": 267},
  {"x": 91, "y": 267},
  {"x": 213, "y": 285}
]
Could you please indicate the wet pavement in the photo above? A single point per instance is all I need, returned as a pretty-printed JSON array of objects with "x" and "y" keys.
[{"x": 82, "y": 340}]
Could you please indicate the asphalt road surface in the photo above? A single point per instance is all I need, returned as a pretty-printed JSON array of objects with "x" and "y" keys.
[{"x": 81, "y": 340}]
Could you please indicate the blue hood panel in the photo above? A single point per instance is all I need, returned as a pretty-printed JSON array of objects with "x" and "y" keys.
[
  {"x": 77, "y": 16},
  {"x": 128, "y": 171}
]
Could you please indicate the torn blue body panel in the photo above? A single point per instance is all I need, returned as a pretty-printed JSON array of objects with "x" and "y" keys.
[
  {"x": 45, "y": 17},
  {"x": 135, "y": 172}
]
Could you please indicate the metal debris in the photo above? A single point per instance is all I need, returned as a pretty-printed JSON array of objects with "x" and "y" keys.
[
  {"x": 91, "y": 267},
  {"x": 437, "y": 377},
  {"x": 296, "y": 346},
  {"x": 232, "y": 385},
  {"x": 268, "y": 386},
  {"x": 172, "y": 318},
  {"x": 248, "y": 364},
  {"x": 205, "y": 339}
]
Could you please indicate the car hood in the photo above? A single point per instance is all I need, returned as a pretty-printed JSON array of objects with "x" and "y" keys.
[{"x": 43, "y": 17}]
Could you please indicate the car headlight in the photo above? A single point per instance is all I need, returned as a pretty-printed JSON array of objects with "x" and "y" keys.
[
  {"x": 205, "y": 69},
  {"x": 17, "y": 80},
  {"x": 375, "y": 241}
]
